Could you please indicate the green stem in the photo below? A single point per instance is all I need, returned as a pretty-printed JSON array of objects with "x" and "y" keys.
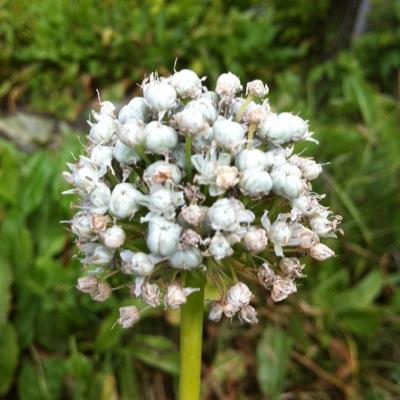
[
  {"x": 191, "y": 338},
  {"x": 140, "y": 150},
  {"x": 250, "y": 136},
  {"x": 188, "y": 156},
  {"x": 243, "y": 107}
]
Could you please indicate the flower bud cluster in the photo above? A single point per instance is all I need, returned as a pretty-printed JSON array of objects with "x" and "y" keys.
[{"x": 176, "y": 180}]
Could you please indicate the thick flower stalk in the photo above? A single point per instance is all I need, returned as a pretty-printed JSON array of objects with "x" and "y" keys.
[{"x": 185, "y": 179}]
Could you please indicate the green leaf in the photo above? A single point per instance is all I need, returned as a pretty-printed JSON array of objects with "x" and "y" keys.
[
  {"x": 9, "y": 173},
  {"x": 5, "y": 290},
  {"x": 272, "y": 355},
  {"x": 8, "y": 356}
]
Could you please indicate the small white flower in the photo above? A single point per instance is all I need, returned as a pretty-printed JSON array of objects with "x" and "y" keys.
[
  {"x": 287, "y": 181},
  {"x": 205, "y": 106},
  {"x": 248, "y": 314},
  {"x": 159, "y": 138},
  {"x": 84, "y": 175},
  {"x": 291, "y": 267},
  {"x": 282, "y": 288},
  {"x": 128, "y": 316},
  {"x": 226, "y": 176},
  {"x": 187, "y": 258},
  {"x": 176, "y": 296},
  {"x": 283, "y": 128},
  {"x": 102, "y": 131},
  {"x": 100, "y": 198},
  {"x": 228, "y": 213},
  {"x": 150, "y": 294},
  {"x": 321, "y": 252},
  {"x": 322, "y": 226},
  {"x": 304, "y": 205},
  {"x": 279, "y": 232},
  {"x": 136, "y": 109},
  {"x": 99, "y": 255},
  {"x": 159, "y": 95},
  {"x": 125, "y": 201},
  {"x": 163, "y": 236},
  {"x": 256, "y": 240},
  {"x": 137, "y": 263},
  {"x": 186, "y": 83},
  {"x": 161, "y": 172},
  {"x": 266, "y": 276},
  {"x": 309, "y": 168},
  {"x": 87, "y": 284},
  {"x": 194, "y": 215},
  {"x": 101, "y": 156},
  {"x": 239, "y": 296},
  {"x": 191, "y": 121},
  {"x": 113, "y": 237},
  {"x": 229, "y": 134},
  {"x": 216, "y": 311},
  {"x": 250, "y": 159},
  {"x": 227, "y": 86},
  {"x": 257, "y": 89},
  {"x": 302, "y": 236},
  {"x": 81, "y": 226},
  {"x": 125, "y": 155},
  {"x": 132, "y": 133},
  {"x": 255, "y": 182},
  {"x": 163, "y": 201},
  {"x": 219, "y": 247},
  {"x": 102, "y": 292}
]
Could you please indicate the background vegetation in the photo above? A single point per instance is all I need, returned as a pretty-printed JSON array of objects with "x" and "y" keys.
[{"x": 339, "y": 336}]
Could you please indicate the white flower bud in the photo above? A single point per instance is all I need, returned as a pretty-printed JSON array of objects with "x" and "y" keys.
[
  {"x": 248, "y": 314},
  {"x": 287, "y": 181},
  {"x": 124, "y": 154},
  {"x": 266, "y": 276},
  {"x": 227, "y": 86},
  {"x": 239, "y": 296},
  {"x": 230, "y": 311},
  {"x": 159, "y": 95},
  {"x": 321, "y": 252},
  {"x": 190, "y": 238},
  {"x": 302, "y": 236},
  {"x": 102, "y": 292},
  {"x": 250, "y": 159},
  {"x": 100, "y": 198},
  {"x": 113, "y": 237},
  {"x": 283, "y": 128},
  {"x": 128, "y": 316},
  {"x": 255, "y": 182},
  {"x": 136, "y": 109},
  {"x": 103, "y": 130},
  {"x": 194, "y": 215},
  {"x": 162, "y": 236},
  {"x": 136, "y": 263},
  {"x": 279, "y": 232},
  {"x": 282, "y": 288},
  {"x": 124, "y": 201},
  {"x": 186, "y": 83},
  {"x": 228, "y": 213},
  {"x": 132, "y": 133},
  {"x": 291, "y": 267},
  {"x": 161, "y": 172},
  {"x": 176, "y": 296},
  {"x": 256, "y": 240},
  {"x": 257, "y": 89},
  {"x": 191, "y": 121},
  {"x": 107, "y": 108},
  {"x": 84, "y": 175},
  {"x": 187, "y": 258},
  {"x": 216, "y": 311},
  {"x": 322, "y": 226},
  {"x": 160, "y": 138},
  {"x": 99, "y": 255},
  {"x": 150, "y": 294},
  {"x": 226, "y": 176},
  {"x": 101, "y": 156},
  {"x": 229, "y": 134},
  {"x": 87, "y": 284},
  {"x": 206, "y": 107},
  {"x": 81, "y": 226},
  {"x": 219, "y": 247},
  {"x": 305, "y": 204},
  {"x": 164, "y": 201}
]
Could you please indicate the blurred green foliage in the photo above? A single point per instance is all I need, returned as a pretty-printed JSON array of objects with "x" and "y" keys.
[{"x": 338, "y": 337}]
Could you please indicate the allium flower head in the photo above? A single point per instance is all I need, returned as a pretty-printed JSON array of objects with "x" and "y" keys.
[{"x": 188, "y": 178}]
